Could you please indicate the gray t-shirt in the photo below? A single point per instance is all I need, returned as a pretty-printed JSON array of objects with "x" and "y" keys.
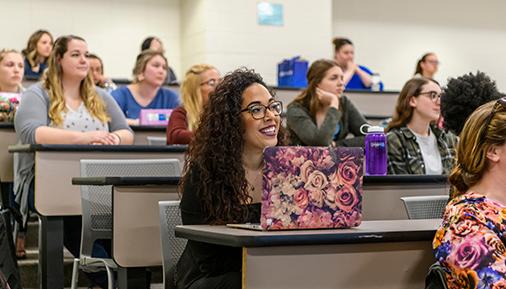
[
  {"x": 81, "y": 120},
  {"x": 430, "y": 153},
  {"x": 33, "y": 113}
]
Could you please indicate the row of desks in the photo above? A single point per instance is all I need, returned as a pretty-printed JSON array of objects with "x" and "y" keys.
[
  {"x": 135, "y": 203},
  {"x": 374, "y": 105},
  {"x": 377, "y": 254},
  {"x": 8, "y": 138}
]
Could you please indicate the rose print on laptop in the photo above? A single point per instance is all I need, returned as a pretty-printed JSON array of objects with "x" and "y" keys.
[{"x": 312, "y": 187}]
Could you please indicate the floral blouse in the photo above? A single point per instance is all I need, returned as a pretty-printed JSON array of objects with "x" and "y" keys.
[{"x": 470, "y": 243}]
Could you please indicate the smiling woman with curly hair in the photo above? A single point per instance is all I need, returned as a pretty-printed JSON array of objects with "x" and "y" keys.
[{"x": 222, "y": 179}]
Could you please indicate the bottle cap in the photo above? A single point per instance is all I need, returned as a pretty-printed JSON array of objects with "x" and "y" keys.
[{"x": 375, "y": 129}]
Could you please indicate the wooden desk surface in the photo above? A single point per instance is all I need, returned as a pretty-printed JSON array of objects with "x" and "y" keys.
[
  {"x": 28, "y": 148},
  {"x": 367, "y": 232},
  {"x": 381, "y": 197},
  {"x": 56, "y": 165},
  {"x": 142, "y": 132}
]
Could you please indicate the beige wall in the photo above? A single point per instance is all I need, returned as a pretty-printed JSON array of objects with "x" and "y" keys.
[
  {"x": 390, "y": 35},
  {"x": 229, "y": 35},
  {"x": 114, "y": 29}
]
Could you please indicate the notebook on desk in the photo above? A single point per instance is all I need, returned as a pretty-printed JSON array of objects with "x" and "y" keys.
[
  {"x": 310, "y": 188},
  {"x": 155, "y": 117}
]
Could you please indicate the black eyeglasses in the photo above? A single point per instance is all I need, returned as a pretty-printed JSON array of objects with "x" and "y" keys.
[
  {"x": 433, "y": 95},
  {"x": 501, "y": 102},
  {"x": 211, "y": 82},
  {"x": 258, "y": 110}
]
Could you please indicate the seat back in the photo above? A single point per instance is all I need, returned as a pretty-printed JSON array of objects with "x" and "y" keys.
[
  {"x": 96, "y": 200},
  {"x": 436, "y": 278},
  {"x": 157, "y": 140},
  {"x": 172, "y": 247},
  {"x": 425, "y": 207}
]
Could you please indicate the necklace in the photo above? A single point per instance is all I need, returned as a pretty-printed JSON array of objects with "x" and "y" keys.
[{"x": 254, "y": 181}]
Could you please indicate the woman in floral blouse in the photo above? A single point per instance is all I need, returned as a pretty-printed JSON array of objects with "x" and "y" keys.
[{"x": 470, "y": 243}]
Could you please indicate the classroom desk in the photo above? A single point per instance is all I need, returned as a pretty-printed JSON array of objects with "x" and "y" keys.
[
  {"x": 373, "y": 104},
  {"x": 136, "y": 222},
  {"x": 143, "y": 131},
  {"x": 7, "y": 138},
  {"x": 55, "y": 197},
  {"x": 381, "y": 198},
  {"x": 390, "y": 254},
  {"x": 378, "y": 104}
]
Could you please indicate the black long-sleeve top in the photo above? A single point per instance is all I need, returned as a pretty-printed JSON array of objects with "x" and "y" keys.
[{"x": 200, "y": 259}]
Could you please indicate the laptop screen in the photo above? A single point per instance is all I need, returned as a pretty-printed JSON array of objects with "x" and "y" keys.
[{"x": 312, "y": 187}]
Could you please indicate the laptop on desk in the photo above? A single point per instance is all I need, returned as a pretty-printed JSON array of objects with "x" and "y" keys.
[
  {"x": 310, "y": 188},
  {"x": 154, "y": 117}
]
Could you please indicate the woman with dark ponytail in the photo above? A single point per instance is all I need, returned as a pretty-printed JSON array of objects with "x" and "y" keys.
[{"x": 470, "y": 241}]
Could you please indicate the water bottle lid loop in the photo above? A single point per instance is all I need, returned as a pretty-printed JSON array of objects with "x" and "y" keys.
[{"x": 371, "y": 128}]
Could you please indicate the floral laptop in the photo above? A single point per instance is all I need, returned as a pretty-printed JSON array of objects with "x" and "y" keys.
[{"x": 310, "y": 188}]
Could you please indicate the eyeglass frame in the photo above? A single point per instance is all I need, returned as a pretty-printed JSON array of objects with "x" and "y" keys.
[
  {"x": 500, "y": 102},
  {"x": 216, "y": 82},
  {"x": 265, "y": 108},
  {"x": 429, "y": 93}
]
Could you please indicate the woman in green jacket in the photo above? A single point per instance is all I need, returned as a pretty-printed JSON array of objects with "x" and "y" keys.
[{"x": 321, "y": 115}]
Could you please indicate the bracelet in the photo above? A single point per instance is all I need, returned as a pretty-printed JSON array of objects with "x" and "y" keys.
[{"x": 119, "y": 138}]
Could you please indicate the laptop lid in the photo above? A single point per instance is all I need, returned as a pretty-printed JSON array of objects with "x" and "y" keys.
[
  {"x": 312, "y": 187},
  {"x": 155, "y": 117}
]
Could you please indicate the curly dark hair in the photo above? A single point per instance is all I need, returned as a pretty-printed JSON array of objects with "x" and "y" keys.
[
  {"x": 463, "y": 95},
  {"x": 215, "y": 154}
]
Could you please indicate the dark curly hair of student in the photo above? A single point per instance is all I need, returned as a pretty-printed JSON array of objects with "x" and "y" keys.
[
  {"x": 463, "y": 95},
  {"x": 215, "y": 154}
]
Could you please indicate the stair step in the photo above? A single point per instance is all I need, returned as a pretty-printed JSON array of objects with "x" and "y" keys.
[{"x": 32, "y": 235}]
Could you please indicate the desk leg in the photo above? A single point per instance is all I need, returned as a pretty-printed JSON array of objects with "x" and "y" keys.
[
  {"x": 51, "y": 253},
  {"x": 133, "y": 278}
]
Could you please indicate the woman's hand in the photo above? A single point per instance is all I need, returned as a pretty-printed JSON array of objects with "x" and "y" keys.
[
  {"x": 327, "y": 98},
  {"x": 99, "y": 138},
  {"x": 132, "y": 121}
]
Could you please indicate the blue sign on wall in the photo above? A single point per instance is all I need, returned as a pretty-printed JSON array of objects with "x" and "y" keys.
[{"x": 270, "y": 14}]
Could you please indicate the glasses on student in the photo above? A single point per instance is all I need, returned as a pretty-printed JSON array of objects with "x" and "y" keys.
[
  {"x": 500, "y": 103},
  {"x": 211, "y": 82},
  {"x": 258, "y": 110},
  {"x": 435, "y": 62},
  {"x": 434, "y": 96}
]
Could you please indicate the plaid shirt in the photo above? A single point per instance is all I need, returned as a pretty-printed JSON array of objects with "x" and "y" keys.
[{"x": 405, "y": 156}]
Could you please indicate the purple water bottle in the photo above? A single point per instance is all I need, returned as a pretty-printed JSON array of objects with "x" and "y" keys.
[{"x": 375, "y": 151}]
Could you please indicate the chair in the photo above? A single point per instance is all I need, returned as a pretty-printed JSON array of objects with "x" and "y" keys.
[
  {"x": 425, "y": 207},
  {"x": 157, "y": 140},
  {"x": 172, "y": 247},
  {"x": 96, "y": 204},
  {"x": 436, "y": 278}
]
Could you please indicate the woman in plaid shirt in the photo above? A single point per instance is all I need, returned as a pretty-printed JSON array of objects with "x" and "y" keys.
[{"x": 415, "y": 144}]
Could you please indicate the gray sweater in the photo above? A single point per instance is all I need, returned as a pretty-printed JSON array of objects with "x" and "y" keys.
[
  {"x": 304, "y": 130},
  {"x": 33, "y": 113}
]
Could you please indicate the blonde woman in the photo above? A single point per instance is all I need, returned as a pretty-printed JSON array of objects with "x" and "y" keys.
[
  {"x": 66, "y": 108},
  {"x": 11, "y": 75},
  {"x": 36, "y": 53},
  {"x": 11, "y": 71},
  {"x": 146, "y": 91},
  {"x": 470, "y": 243},
  {"x": 199, "y": 82}
]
